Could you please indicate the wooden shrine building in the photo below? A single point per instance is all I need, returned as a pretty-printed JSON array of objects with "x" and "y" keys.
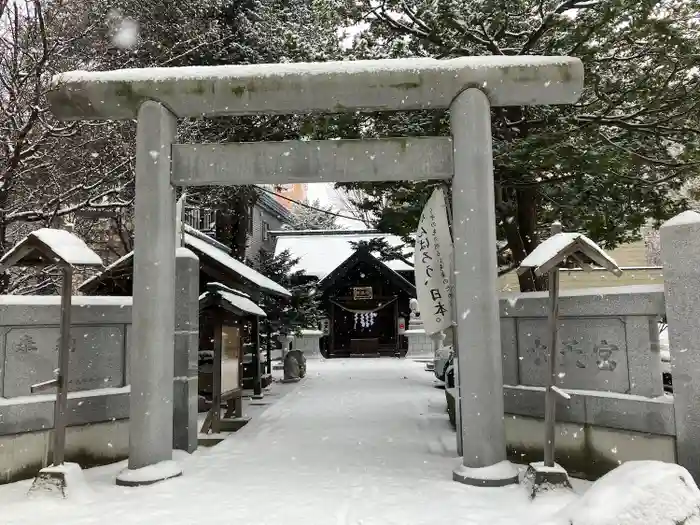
[{"x": 366, "y": 304}]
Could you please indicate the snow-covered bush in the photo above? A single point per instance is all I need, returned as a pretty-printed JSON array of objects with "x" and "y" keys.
[{"x": 637, "y": 493}]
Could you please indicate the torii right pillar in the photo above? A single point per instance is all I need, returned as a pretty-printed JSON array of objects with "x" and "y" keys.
[{"x": 480, "y": 397}]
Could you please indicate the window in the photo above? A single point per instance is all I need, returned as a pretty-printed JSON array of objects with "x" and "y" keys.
[
  {"x": 251, "y": 210},
  {"x": 265, "y": 231}
]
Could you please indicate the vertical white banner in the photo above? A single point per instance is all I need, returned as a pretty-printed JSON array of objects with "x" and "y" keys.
[
  {"x": 179, "y": 220},
  {"x": 433, "y": 265}
]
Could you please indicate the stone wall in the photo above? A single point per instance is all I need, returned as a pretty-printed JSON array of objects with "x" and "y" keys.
[
  {"x": 308, "y": 342},
  {"x": 610, "y": 364},
  {"x": 608, "y": 339},
  {"x": 98, "y": 401}
]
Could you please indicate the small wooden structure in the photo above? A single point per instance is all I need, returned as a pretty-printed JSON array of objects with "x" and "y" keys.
[
  {"x": 230, "y": 314},
  {"x": 559, "y": 250},
  {"x": 216, "y": 266},
  {"x": 365, "y": 300},
  {"x": 48, "y": 247}
]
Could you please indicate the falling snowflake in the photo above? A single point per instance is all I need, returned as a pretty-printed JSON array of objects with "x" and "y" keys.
[{"x": 125, "y": 30}]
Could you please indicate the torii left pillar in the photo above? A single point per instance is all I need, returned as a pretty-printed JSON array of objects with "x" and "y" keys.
[{"x": 151, "y": 360}]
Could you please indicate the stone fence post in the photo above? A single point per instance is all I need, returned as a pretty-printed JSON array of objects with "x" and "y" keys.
[
  {"x": 680, "y": 254},
  {"x": 185, "y": 381}
]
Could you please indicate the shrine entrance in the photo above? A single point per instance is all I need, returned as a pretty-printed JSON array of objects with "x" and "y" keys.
[
  {"x": 468, "y": 87},
  {"x": 364, "y": 300},
  {"x": 359, "y": 332}
]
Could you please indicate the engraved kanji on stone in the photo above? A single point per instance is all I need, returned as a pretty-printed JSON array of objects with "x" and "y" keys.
[
  {"x": 25, "y": 345},
  {"x": 571, "y": 346},
  {"x": 539, "y": 351},
  {"x": 604, "y": 351}
]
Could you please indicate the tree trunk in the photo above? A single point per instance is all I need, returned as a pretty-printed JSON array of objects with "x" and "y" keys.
[
  {"x": 224, "y": 226},
  {"x": 232, "y": 221},
  {"x": 527, "y": 200},
  {"x": 520, "y": 225},
  {"x": 518, "y": 252},
  {"x": 4, "y": 277},
  {"x": 242, "y": 218}
]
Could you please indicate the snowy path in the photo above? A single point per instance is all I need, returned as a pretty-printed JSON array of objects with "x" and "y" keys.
[{"x": 357, "y": 442}]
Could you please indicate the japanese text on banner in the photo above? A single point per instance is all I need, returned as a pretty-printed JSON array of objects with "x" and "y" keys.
[{"x": 433, "y": 265}]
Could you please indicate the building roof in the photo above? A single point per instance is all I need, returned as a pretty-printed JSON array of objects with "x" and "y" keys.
[
  {"x": 246, "y": 273},
  {"x": 322, "y": 251},
  {"x": 340, "y": 273},
  {"x": 205, "y": 247},
  {"x": 194, "y": 232},
  {"x": 49, "y": 246},
  {"x": 563, "y": 245},
  {"x": 113, "y": 271},
  {"x": 229, "y": 299},
  {"x": 270, "y": 204}
]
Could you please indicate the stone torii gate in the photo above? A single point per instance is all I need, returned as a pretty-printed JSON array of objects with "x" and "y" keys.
[{"x": 469, "y": 87}]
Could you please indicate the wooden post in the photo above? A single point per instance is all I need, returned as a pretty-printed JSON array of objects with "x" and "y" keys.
[
  {"x": 59, "y": 437},
  {"x": 269, "y": 347},
  {"x": 331, "y": 332},
  {"x": 551, "y": 395},
  {"x": 455, "y": 341},
  {"x": 396, "y": 328},
  {"x": 257, "y": 376},
  {"x": 216, "y": 380}
]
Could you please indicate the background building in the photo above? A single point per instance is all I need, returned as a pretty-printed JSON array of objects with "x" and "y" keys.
[
  {"x": 296, "y": 192},
  {"x": 268, "y": 214}
]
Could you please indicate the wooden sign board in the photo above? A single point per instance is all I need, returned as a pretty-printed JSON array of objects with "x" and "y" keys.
[
  {"x": 362, "y": 292},
  {"x": 230, "y": 358}
]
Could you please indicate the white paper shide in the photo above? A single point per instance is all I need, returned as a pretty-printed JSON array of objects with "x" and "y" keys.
[{"x": 433, "y": 265}]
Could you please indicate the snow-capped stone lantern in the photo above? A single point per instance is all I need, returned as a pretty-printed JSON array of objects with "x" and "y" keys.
[
  {"x": 420, "y": 346},
  {"x": 561, "y": 249},
  {"x": 415, "y": 322},
  {"x": 64, "y": 249}
]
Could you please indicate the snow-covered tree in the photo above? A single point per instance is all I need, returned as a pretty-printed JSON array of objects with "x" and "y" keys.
[
  {"x": 688, "y": 196},
  {"x": 313, "y": 216},
  {"x": 602, "y": 166},
  {"x": 52, "y": 172},
  {"x": 355, "y": 204},
  {"x": 218, "y": 32},
  {"x": 303, "y": 309}
]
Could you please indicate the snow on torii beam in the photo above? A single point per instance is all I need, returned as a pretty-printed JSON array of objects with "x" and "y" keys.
[
  {"x": 469, "y": 87},
  {"x": 373, "y": 85}
]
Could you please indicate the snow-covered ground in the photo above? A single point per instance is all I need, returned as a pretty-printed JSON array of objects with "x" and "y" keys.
[{"x": 357, "y": 442}]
